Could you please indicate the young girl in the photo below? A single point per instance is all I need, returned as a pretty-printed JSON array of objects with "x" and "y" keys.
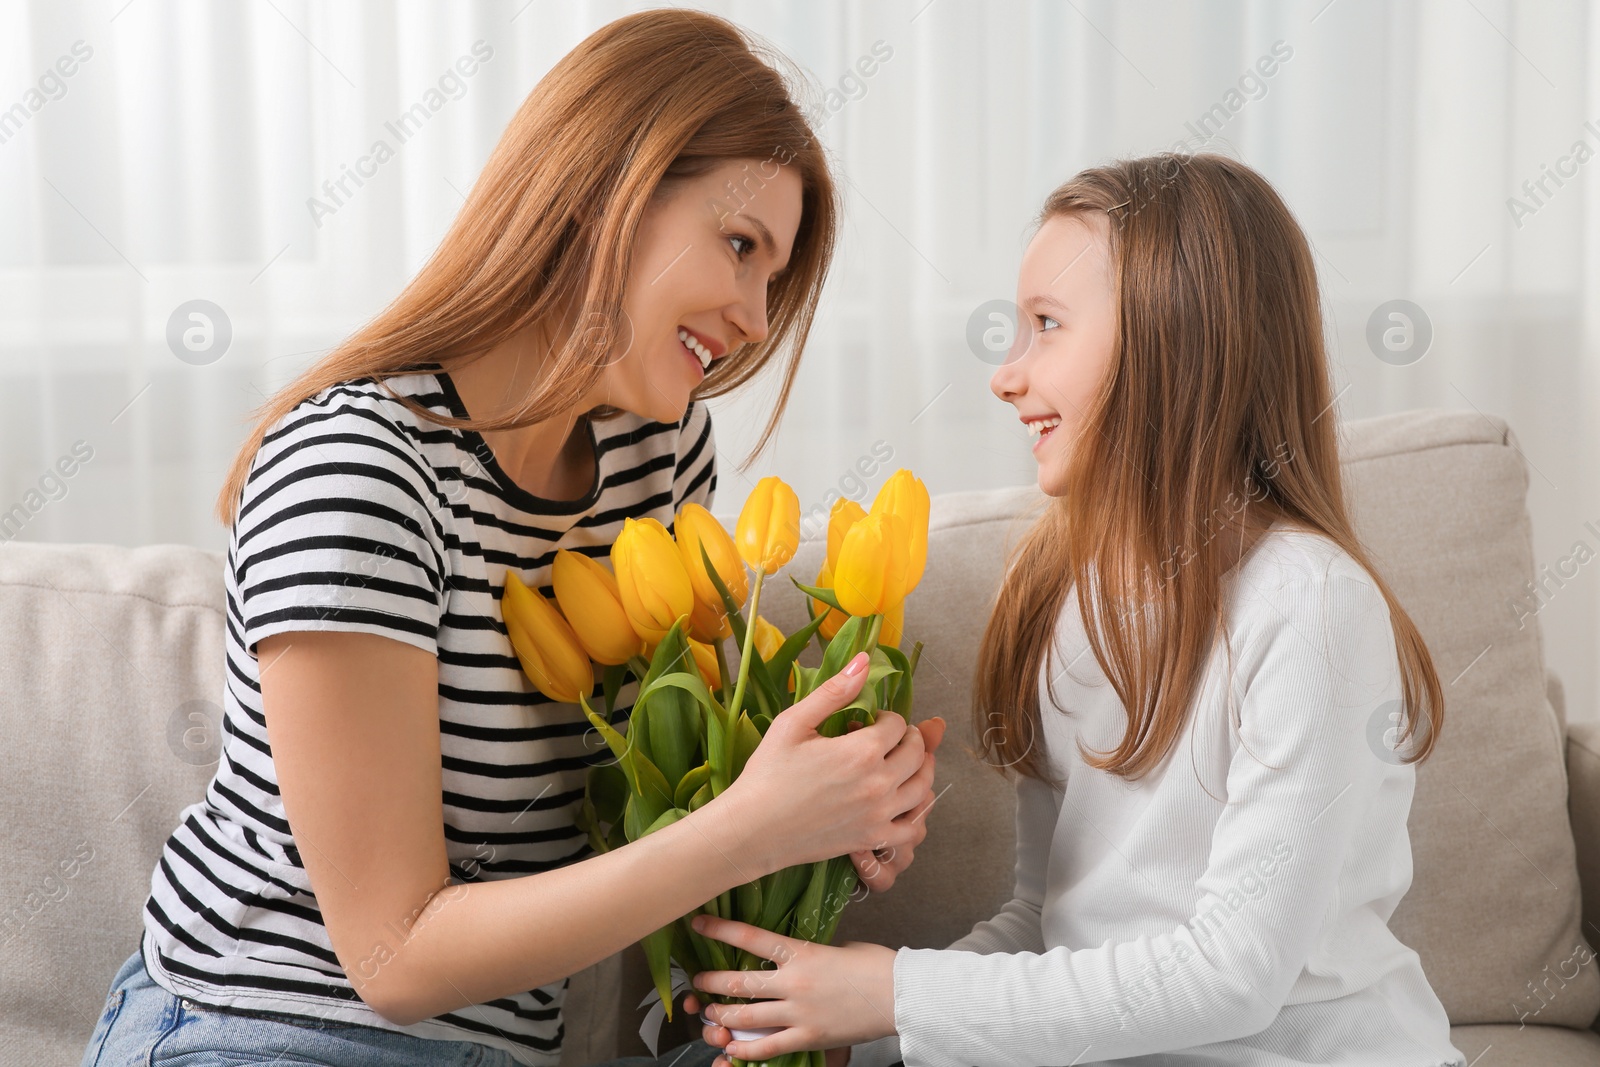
[
  {"x": 385, "y": 867},
  {"x": 1211, "y": 811}
]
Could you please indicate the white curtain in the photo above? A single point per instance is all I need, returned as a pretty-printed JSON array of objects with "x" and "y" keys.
[{"x": 159, "y": 152}]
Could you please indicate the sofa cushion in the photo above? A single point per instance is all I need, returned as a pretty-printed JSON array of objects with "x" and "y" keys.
[
  {"x": 112, "y": 659},
  {"x": 109, "y": 718}
]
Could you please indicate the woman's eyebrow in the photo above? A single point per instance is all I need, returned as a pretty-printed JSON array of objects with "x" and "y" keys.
[{"x": 765, "y": 237}]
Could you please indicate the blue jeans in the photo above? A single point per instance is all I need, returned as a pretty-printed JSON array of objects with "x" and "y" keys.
[{"x": 143, "y": 1025}]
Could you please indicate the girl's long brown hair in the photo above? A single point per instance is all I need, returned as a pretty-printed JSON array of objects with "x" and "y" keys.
[
  {"x": 1216, "y": 403},
  {"x": 547, "y": 232}
]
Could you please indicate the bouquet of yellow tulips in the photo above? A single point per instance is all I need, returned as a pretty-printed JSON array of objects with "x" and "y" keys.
[{"x": 662, "y": 613}]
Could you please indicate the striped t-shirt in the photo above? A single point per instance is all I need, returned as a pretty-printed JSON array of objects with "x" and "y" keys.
[{"x": 359, "y": 515}]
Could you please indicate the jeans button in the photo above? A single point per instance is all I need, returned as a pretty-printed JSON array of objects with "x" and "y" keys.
[{"x": 186, "y": 1002}]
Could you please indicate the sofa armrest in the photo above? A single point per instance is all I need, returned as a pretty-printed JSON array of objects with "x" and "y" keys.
[{"x": 1583, "y": 807}]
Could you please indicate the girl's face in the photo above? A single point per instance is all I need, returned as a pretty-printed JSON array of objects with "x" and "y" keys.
[
  {"x": 706, "y": 250},
  {"x": 1067, "y": 306}
]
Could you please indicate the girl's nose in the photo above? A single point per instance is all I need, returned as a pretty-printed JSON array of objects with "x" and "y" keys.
[{"x": 1010, "y": 380}]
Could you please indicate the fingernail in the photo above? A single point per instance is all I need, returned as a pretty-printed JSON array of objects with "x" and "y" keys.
[{"x": 856, "y": 666}]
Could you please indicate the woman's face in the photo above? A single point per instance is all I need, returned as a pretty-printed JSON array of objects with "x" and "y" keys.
[
  {"x": 706, "y": 250},
  {"x": 1067, "y": 304}
]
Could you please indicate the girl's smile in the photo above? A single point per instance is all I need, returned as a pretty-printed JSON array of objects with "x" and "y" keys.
[{"x": 1040, "y": 427}]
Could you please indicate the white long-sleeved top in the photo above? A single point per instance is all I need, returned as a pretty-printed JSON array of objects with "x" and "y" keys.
[{"x": 1231, "y": 907}]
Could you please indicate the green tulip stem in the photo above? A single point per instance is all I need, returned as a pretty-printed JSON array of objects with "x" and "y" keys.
[
  {"x": 873, "y": 629},
  {"x": 639, "y": 666},
  {"x": 736, "y": 704}
]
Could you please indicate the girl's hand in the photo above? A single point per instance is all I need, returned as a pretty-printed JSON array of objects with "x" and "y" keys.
[
  {"x": 825, "y": 996},
  {"x": 803, "y": 797},
  {"x": 719, "y": 1036},
  {"x": 878, "y": 868}
]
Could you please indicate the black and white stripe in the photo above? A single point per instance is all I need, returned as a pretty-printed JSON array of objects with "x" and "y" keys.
[{"x": 359, "y": 515}]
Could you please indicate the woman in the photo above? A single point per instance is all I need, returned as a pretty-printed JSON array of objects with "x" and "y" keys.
[
  {"x": 384, "y": 869},
  {"x": 1209, "y": 845}
]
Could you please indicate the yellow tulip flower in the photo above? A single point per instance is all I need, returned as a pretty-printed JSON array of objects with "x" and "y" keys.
[
  {"x": 845, "y": 514},
  {"x": 835, "y": 618},
  {"x": 705, "y": 657},
  {"x": 707, "y": 623},
  {"x": 768, "y": 532},
  {"x": 906, "y": 496},
  {"x": 874, "y": 561},
  {"x": 592, "y": 604},
  {"x": 894, "y": 626},
  {"x": 545, "y": 643},
  {"x": 697, "y": 527},
  {"x": 651, "y": 581},
  {"x": 768, "y": 638}
]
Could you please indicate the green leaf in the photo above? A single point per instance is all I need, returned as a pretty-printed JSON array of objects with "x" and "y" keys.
[
  {"x": 808, "y": 917},
  {"x": 652, "y": 796},
  {"x": 901, "y": 701},
  {"x": 869, "y": 699},
  {"x": 717, "y": 755},
  {"x": 790, "y": 650},
  {"x": 607, "y": 786},
  {"x": 823, "y": 594},
  {"x": 674, "y": 717},
  {"x": 745, "y": 742},
  {"x": 747, "y": 901},
  {"x": 897, "y": 658},
  {"x": 684, "y": 950},
  {"x": 669, "y": 652},
  {"x": 841, "y": 884},
  {"x": 806, "y": 681},
  {"x": 701, "y": 798},
  {"x": 690, "y": 784},
  {"x": 639, "y": 730},
  {"x": 690, "y": 681},
  {"x": 783, "y": 888},
  {"x": 658, "y": 953},
  {"x": 735, "y": 616},
  {"x": 844, "y": 646},
  {"x": 613, "y": 739},
  {"x": 611, "y": 682}
]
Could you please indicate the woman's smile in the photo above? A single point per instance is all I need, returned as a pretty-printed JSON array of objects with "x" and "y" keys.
[{"x": 699, "y": 354}]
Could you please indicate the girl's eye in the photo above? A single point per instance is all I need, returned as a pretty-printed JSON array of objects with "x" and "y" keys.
[
  {"x": 1043, "y": 319},
  {"x": 749, "y": 245}
]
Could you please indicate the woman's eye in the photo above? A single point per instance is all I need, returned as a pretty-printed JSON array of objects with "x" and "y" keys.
[
  {"x": 747, "y": 247},
  {"x": 1047, "y": 323}
]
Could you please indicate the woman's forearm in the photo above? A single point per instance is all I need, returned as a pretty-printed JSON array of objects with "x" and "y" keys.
[{"x": 475, "y": 942}]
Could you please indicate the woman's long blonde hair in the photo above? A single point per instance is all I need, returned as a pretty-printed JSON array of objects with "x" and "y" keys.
[
  {"x": 549, "y": 226},
  {"x": 1216, "y": 402}
]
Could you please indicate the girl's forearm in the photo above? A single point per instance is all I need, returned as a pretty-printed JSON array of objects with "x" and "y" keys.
[{"x": 475, "y": 942}]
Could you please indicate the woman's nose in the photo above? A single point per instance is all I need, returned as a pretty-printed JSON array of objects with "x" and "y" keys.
[{"x": 749, "y": 316}]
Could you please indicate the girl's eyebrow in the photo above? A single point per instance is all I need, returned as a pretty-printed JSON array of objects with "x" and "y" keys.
[{"x": 1046, "y": 301}]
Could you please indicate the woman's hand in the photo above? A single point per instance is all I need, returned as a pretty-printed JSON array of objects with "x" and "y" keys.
[
  {"x": 825, "y": 996},
  {"x": 802, "y": 797},
  {"x": 878, "y": 868}
]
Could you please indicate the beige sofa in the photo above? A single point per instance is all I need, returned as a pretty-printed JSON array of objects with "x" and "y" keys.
[{"x": 105, "y": 651}]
